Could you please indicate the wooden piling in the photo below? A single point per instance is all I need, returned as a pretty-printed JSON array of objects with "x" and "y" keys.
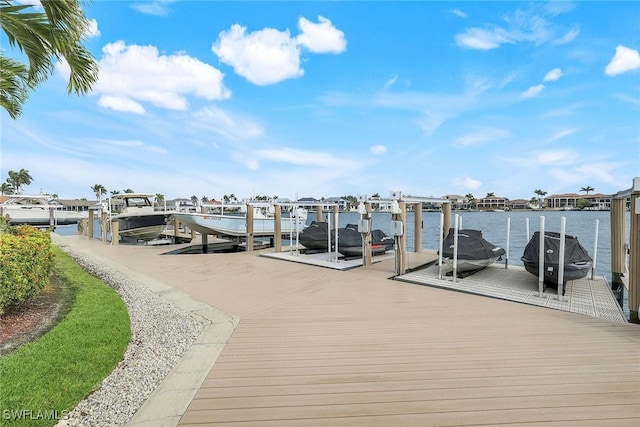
[
  {"x": 401, "y": 260},
  {"x": 634, "y": 253},
  {"x": 368, "y": 252},
  {"x": 618, "y": 228},
  {"x": 446, "y": 210},
  {"x": 104, "y": 226},
  {"x": 176, "y": 230},
  {"x": 115, "y": 233},
  {"x": 249, "y": 239},
  {"x": 90, "y": 224},
  {"x": 277, "y": 226},
  {"x": 205, "y": 243},
  {"x": 319, "y": 214}
]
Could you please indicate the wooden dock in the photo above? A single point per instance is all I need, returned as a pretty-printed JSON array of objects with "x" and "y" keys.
[{"x": 323, "y": 347}]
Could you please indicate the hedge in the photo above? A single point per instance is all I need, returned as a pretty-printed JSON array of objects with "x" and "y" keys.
[{"x": 26, "y": 262}]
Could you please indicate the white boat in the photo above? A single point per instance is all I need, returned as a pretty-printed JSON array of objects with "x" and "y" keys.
[
  {"x": 38, "y": 211},
  {"x": 235, "y": 223},
  {"x": 138, "y": 220}
]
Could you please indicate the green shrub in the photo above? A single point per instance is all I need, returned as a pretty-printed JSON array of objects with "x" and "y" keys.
[{"x": 26, "y": 261}]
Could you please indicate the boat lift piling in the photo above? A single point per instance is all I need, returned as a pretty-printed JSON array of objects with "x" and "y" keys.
[{"x": 622, "y": 278}]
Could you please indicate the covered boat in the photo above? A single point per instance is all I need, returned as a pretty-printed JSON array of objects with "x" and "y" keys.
[
  {"x": 577, "y": 261},
  {"x": 474, "y": 252},
  {"x": 315, "y": 237}
]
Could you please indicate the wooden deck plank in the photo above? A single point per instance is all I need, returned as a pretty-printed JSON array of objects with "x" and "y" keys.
[
  {"x": 319, "y": 347},
  {"x": 221, "y": 401},
  {"x": 467, "y": 412}
]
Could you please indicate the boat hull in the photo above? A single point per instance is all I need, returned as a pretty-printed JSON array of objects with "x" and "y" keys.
[
  {"x": 144, "y": 227},
  {"x": 236, "y": 226},
  {"x": 42, "y": 217}
]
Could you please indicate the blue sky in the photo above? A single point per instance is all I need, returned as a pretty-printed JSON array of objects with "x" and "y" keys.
[{"x": 341, "y": 98}]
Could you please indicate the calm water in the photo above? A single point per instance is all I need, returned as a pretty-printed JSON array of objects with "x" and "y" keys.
[{"x": 494, "y": 228}]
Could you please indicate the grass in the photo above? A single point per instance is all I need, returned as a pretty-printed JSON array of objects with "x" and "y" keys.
[{"x": 45, "y": 378}]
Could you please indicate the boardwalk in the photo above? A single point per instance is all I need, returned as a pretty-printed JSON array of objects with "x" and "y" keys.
[{"x": 316, "y": 346}]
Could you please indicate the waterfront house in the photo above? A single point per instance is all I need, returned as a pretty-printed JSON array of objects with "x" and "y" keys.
[{"x": 492, "y": 203}]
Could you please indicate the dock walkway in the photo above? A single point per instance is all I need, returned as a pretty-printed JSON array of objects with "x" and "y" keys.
[
  {"x": 322, "y": 347},
  {"x": 591, "y": 297}
]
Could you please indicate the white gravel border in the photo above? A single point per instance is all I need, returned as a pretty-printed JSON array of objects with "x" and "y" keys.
[{"x": 161, "y": 334}]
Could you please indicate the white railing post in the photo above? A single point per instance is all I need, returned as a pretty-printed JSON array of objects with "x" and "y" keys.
[
  {"x": 595, "y": 249},
  {"x": 563, "y": 230},
  {"x": 506, "y": 260},
  {"x": 440, "y": 243},
  {"x": 455, "y": 247},
  {"x": 541, "y": 258}
]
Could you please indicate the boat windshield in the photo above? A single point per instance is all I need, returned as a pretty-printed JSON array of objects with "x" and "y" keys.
[{"x": 137, "y": 202}]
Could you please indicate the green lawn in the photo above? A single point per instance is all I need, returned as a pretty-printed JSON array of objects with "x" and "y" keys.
[{"x": 48, "y": 377}]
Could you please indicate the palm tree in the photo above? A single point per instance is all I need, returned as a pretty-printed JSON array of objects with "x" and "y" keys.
[
  {"x": 99, "y": 189},
  {"x": 540, "y": 194},
  {"x": 490, "y": 195},
  {"x": 128, "y": 190},
  {"x": 6, "y": 188},
  {"x": 159, "y": 199},
  {"x": 587, "y": 189},
  {"x": 471, "y": 200},
  {"x": 194, "y": 199},
  {"x": 18, "y": 179},
  {"x": 44, "y": 37}
]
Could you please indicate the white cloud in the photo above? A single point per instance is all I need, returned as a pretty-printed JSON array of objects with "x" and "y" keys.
[
  {"x": 467, "y": 183},
  {"x": 322, "y": 37},
  {"x": 157, "y": 8},
  {"x": 623, "y": 61},
  {"x": 134, "y": 74},
  {"x": 243, "y": 158},
  {"x": 555, "y": 157},
  {"x": 389, "y": 83},
  {"x": 120, "y": 104},
  {"x": 477, "y": 38},
  {"x": 378, "y": 149},
  {"x": 270, "y": 56},
  {"x": 306, "y": 158},
  {"x": 92, "y": 29},
  {"x": 459, "y": 13},
  {"x": 263, "y": 57},
  {"x": 233, "y": 127},
  {"x": 568, "y": 37},
  {"x": 553, "y": 75},
  {"x": 482, "y": 136},
  {"x": 520, "y": 26},
  {"x": 532, "y": 91},
  {"x": 562, "y": 134}
]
